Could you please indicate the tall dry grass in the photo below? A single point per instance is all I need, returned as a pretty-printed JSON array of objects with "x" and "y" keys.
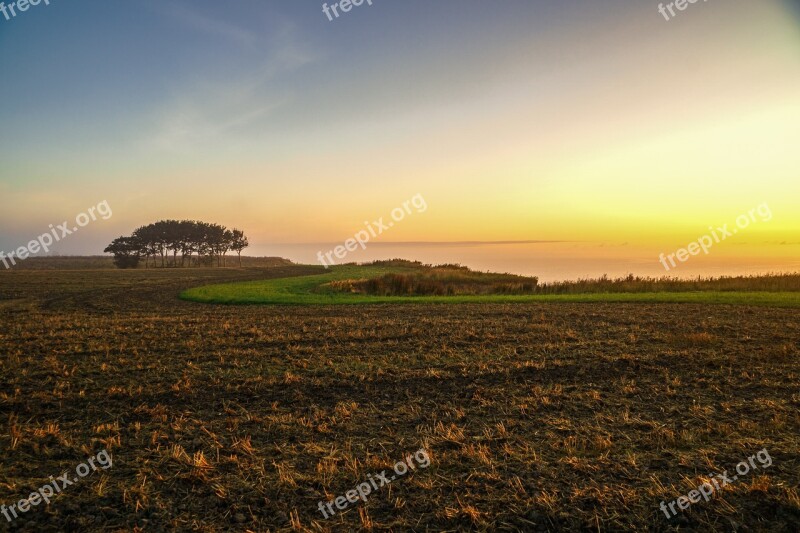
[{"x": 457, "y": 280}]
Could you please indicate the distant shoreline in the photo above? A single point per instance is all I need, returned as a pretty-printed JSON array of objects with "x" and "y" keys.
[{"x": 105, "y": 262}]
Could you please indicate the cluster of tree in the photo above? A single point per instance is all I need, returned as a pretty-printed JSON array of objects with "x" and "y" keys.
[{"x": 187, "y": 237}]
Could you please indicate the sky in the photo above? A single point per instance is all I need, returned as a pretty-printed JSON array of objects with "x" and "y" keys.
[{"x": 600, "y": 127}]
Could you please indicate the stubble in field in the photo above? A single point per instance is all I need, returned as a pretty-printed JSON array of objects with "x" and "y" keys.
[{"x": 535, "y": 416}]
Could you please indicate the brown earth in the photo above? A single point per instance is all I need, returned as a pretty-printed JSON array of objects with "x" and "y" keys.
[{"x": 536, "y": 417}]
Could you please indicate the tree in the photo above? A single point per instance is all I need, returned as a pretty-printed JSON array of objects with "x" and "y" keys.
[
  {"x": 189, "y": 243},
  {"x": 126, "y": 250},
  {"x": 149, "y": 247},
  {"x": 173, "y": 239},
  {"x": 215, "y": 239},
  {"x": 209, "y": 241},
  {"x": 238, "y": 243}
]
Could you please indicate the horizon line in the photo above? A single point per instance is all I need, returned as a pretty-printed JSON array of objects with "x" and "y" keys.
[{"x": 426, "y": 243}]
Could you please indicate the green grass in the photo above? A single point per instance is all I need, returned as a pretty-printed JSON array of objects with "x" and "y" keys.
[{"x": 310, "y": 290}]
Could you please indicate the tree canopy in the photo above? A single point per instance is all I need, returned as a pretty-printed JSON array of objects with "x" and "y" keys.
[{"x": 199, "y": 243}]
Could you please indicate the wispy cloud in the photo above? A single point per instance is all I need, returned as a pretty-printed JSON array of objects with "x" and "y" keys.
[
  {"x": 191, "y": 123},
  {"x": 461, "y": 243},
  {"x": 437, "y": 243},
  {"x": 213, "y": 109},
  {"x": 211, "y": 26}
]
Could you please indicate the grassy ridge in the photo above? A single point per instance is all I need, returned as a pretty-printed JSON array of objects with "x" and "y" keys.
[
  {"x": 442, "y": 280},
  {"x": 314, "y": 290}
]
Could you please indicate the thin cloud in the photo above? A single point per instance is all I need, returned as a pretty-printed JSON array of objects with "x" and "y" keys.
[
  {"x": 437, "y": 243},
  {"x": 211, "y": 26},
  {"x": 210, "y": 111}
]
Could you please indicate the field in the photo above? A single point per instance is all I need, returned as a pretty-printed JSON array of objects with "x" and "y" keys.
[
  {"x": 536, "y": 416},
  {"x": 335, "y": 287}
]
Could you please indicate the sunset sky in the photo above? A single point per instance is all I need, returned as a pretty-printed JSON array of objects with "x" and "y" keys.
[{"x": 597, "y": 124}]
